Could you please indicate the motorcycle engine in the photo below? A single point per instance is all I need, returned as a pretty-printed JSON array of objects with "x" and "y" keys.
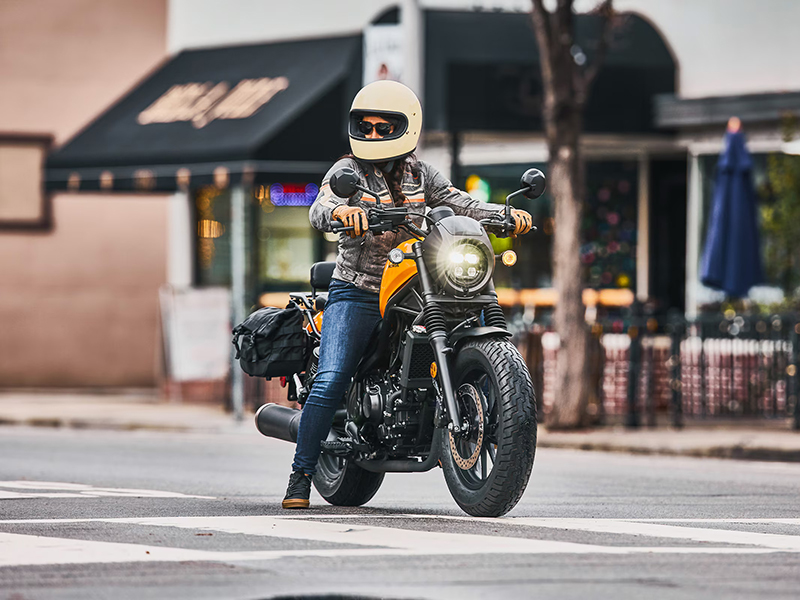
[
  {"x": 369, "y": 406},
  {"x": 373, "y": 402}
]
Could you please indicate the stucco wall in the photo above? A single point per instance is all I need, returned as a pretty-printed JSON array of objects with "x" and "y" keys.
[
  {"x": 79, "y": 303},
  {"x": 79, "y": 306},
  {"x": 64, "y": 61},
  {"x": 728, "y": 47}
]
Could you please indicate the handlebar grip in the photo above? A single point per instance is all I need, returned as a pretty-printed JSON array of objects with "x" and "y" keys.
[{"x": 337, "y": 226}]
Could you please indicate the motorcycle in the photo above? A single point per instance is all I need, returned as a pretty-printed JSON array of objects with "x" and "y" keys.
[{"x": 442, "y": 384}]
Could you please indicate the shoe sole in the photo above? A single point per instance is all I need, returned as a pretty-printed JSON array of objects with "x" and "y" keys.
[{"x": 295, "y": 503}]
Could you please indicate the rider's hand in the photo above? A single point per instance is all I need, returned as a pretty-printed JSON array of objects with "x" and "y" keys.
[
  {"x": 352, "y": 216},
  {"x": 522, "y": 222}
]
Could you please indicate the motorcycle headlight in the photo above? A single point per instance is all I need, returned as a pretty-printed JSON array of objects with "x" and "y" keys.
[{"x": 466, "y": 265}]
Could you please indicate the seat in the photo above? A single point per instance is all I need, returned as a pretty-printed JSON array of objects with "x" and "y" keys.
[{"x": 321, "y": 274}]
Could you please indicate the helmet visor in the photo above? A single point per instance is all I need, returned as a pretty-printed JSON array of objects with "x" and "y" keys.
[{"x": 389, "y": 126}]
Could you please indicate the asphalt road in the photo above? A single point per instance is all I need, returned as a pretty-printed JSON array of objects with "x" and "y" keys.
[{"x": 89, "y": 514}]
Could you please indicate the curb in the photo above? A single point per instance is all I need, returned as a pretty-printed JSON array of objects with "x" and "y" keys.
[
  {"x": 732, "y": 452},
  {"x": 736, "y": 452},
  {"x": 55, "y": 423}
]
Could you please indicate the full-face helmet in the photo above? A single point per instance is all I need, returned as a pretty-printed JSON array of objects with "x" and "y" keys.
[{"x": 392, "y": 102}]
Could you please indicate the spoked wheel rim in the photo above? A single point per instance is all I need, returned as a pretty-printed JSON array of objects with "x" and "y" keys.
[{"x": 475, "y": 453}]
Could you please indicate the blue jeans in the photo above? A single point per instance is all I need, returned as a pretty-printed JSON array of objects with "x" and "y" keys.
[{"x": 351, "y": 315}]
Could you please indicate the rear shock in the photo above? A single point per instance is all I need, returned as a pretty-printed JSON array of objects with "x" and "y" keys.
[{"x": 493, "y": 316}]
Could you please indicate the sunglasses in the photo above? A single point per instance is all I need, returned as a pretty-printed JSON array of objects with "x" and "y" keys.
[{"x": 383, "y": 129}]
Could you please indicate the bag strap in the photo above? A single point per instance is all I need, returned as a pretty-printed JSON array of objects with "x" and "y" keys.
[{"x": 235, "y": 342}]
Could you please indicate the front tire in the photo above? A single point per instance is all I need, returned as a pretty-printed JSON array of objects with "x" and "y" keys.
[{"x": 487, "y": 472}]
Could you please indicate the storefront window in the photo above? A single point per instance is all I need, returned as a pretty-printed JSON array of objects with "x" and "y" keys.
[
  {"x": 213, "y": 246},
  {"x": 280, "y": 244},
  {"x": 285, "y": 243},
  {"x": 286, "y": 248},
  {"x": 608, "y": 229}
]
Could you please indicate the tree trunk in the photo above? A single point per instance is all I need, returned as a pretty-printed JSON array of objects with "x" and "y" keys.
[
  {"x": 572, "y": 376},
  {"x": 566, "y": 87}
]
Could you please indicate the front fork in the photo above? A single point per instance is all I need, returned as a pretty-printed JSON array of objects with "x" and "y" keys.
[{"x": 437, "y": 334}]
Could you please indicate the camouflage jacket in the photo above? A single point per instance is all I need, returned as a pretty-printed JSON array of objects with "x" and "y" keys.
[{"x": 361, "y": 260}]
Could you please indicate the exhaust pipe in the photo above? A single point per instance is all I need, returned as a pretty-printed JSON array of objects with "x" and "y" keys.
[{"x": 280, "y": 422}]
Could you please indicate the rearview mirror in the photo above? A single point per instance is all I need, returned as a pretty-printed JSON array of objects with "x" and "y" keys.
[
  {"x": 344, "y": 182},
  {"x": 533, "y": 183}
]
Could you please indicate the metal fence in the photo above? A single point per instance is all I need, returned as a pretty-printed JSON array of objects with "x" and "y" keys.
[{"x": 646, "y": 371}]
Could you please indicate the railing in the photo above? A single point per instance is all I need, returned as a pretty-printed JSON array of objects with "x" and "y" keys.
[{"x": 646, "y": 371}]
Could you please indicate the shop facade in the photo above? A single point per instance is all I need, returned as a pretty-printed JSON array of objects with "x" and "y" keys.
[
  {"x": 263, "y": 124},
  {"x": 240, "y": 137}
]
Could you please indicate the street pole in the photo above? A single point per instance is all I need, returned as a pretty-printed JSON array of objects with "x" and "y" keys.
[
  {"x": 237, "y": 291},
  {"x": 694, "y": 217},
  {"x": 635, "y": 331},
  {"x": 411, "y": 19}
]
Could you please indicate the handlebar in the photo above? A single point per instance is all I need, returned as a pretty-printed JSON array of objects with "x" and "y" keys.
[
  {"x": 504, "y": 227},
  {"x": 381, "y": 220}
]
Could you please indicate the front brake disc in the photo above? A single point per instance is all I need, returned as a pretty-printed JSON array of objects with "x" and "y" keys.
[{"x": 470, "y": 400}]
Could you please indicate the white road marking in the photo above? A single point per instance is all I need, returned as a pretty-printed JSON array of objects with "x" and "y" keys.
[
  {"x": 59, "y": 489},
  {"x": 426, "y": 542},
  {"x": 790, "y": 543},
  {"x": 650, "y": 528},
  {"x": 19, "y": 549}
]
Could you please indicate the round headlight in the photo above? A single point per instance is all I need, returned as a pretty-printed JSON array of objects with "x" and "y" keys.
[{"x": 465, "y": 264}]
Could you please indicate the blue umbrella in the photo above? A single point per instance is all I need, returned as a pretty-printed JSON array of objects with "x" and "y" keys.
[{"x": 731, "y": 260}]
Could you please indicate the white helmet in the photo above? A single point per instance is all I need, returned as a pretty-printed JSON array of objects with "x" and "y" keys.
[{"x": 397, "y": 104}]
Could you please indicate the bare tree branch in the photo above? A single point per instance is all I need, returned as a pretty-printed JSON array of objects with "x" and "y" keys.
[
  {"x": 541, "y": 25},
  {"x": 585, "y": 80}
]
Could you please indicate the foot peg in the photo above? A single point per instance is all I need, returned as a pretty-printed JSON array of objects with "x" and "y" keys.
[{"x": 343, "y": 448}]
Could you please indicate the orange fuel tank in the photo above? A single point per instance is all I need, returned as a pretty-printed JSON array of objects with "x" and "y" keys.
[{"x": 395, "y": 276}]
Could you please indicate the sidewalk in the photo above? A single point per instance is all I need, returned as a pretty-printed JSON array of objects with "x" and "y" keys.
[
  {"x": 137, "y": 411},
  {"x": 774, "y": 443},
  {"x": 125, "y": 412}
]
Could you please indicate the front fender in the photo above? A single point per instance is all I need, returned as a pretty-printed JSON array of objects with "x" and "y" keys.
[{"x": 475, "y": 332}]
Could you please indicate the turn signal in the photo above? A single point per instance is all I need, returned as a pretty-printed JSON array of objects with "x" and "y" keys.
[
  {"x": 509, "y": 258},
  {"x": 396, "y": 256}
]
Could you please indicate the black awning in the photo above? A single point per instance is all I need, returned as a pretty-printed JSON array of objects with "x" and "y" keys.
[
  {"x": 245, "y": 110},
  {"x": 675, "y": 112},
  {"x": 482, "y": 73}
]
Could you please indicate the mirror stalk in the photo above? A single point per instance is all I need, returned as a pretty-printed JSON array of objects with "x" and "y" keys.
[{"x": 365, "y": 190}]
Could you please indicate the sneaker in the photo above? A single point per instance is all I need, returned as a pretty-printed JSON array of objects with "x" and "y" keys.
[{"x": 298, "y": 491}]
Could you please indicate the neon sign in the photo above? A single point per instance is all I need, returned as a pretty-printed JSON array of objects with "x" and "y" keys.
[{"x": 288, "y": 194}]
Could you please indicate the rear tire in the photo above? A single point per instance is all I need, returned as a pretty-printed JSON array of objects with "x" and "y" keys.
[
  {"x": 499, "y": 476},
  {"x": 342, "y": 483}
]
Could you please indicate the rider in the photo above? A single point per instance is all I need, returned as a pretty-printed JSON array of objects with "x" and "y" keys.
[{"x": 385, "y": 123}]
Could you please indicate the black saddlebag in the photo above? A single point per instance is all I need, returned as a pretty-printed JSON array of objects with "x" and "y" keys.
[{"x": 271, "y": 342}]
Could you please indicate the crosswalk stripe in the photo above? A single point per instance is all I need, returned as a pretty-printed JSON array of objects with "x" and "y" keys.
[
  {"x": 20, "y": 549},
  {"x": 60, "y": 489},
  {"x": 695, "y": 534}
]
